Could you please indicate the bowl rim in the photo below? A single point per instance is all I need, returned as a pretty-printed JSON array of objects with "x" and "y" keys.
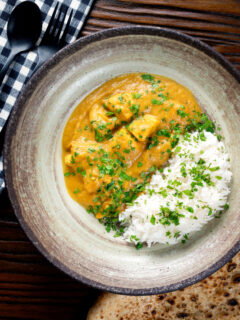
[{"x": 19, "y": 106}]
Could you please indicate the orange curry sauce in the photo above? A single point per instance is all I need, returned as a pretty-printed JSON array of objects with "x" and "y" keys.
[{"x": 119, "y": 135}]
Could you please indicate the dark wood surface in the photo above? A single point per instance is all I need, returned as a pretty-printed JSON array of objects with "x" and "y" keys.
[{"x": 30, "y": 287}]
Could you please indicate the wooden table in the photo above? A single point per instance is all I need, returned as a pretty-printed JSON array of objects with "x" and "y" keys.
[{"x": 30, "y": 287}]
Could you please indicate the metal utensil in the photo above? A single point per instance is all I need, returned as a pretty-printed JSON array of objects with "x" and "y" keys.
[
  {"x": 23, "y": 30},
  {"x": 53, "y": 40}
]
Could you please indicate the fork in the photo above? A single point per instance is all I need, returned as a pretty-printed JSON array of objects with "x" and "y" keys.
[{"x": 52, "y": 40}]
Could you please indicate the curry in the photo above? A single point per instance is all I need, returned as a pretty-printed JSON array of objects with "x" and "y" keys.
[{"x": 119, "y": 135}]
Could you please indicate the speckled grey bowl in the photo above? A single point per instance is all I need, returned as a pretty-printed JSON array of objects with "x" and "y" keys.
[{"x": 61, "y": 229}]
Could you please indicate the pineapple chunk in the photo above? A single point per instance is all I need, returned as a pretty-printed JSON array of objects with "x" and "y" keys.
[{"x": 144, "y": 127}]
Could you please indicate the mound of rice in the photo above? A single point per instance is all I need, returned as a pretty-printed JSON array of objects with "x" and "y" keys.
[{"x": 188, "y": 193}]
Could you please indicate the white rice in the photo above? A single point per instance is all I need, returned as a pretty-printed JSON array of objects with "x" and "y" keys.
[{"x": 142, "y": 218}]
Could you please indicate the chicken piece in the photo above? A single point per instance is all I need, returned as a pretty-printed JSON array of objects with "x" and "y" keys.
[
  {"x": 92, "y": 180},
  {"x": 121, "y": 105},
  {"x": 80, "y": 150},
  {"x": 173, "y": 113},
  {"x": 102, "y": 119},
  {"x": 159, "y": 154},
  {"x": 155, "y": 156},
  {"x": 123, "y": 144},
  {"x": 69, "y": 160},
  {"x": 144, "y": 127}
]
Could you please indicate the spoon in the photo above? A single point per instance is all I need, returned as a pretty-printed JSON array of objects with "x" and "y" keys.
[{"x": 23, "y": 30}]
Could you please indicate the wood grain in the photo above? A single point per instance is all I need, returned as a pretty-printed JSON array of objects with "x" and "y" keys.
[
  {"x": 30, "y": 287},
  {"x": 221, "y": 6},
  {"x": 217, "y": 23}
]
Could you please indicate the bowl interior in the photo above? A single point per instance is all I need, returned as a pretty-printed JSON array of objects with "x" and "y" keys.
[{"x": 61, "y": 228}]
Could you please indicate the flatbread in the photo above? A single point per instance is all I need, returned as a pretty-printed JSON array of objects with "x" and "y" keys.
[{"x": 217, "y": 297}]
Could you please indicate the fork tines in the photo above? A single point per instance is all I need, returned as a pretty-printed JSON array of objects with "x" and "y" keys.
[{"x": 55, "y": 26}]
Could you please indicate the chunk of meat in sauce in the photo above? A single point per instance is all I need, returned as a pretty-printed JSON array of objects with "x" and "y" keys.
[
  {"x": 102, "y": 119},
  {"x": 125, "y": 146},
  {"x": 120, "y": 105},
  {"x": 92, "y": 180},
  {"x": 80, "y": 149},
  {"x": 156, "y": 156},
  {"x": 142, "y": 128}
]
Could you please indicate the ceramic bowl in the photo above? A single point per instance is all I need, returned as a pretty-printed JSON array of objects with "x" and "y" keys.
[{"x": 70, "y": 238}]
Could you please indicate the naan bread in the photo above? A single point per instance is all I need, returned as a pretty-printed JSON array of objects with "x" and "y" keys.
[{"x": 217, "y": 298}]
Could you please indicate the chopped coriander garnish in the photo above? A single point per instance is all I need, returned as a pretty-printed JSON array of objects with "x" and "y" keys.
[
  {"x": 67, "y": 174},
  {"x": 140, "y": 164},
  {"x": 119, "y": 110},
  {"x": 181, "y": 113},
  {"x": 153, "y": 220},
  {"x": 135, "y": 109},
  {"x": 109, "y": 113},
  {"x": 177, "y": 234},
  {"x": 121, "y": 99},
  {"x": 136, "y": 95},
  {"x": 164, "y": 133},
  {"x": 72, "y": 160},
  {"x": 163, "y": 193},
  {"x": 139, "y": 245},
  {"x": 157, "y": 102},
  {"x": 83, "y": 173},
  {"x": 77, "y": 190},
  {"x": 147, "y": 77},
  {"x": 226, "y": 206},
  {"x": 202, "y": 136},
  {"x": 154, "y": 142}
]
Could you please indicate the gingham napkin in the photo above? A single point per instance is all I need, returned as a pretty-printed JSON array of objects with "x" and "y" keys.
[{"x": 22, "y": 67}]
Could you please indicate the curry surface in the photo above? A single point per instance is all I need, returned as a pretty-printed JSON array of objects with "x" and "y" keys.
[{"x": 119, "y": 135}]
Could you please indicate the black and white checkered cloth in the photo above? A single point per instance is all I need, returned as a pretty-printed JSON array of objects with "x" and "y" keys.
[{"x": 22, "y": 67}]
